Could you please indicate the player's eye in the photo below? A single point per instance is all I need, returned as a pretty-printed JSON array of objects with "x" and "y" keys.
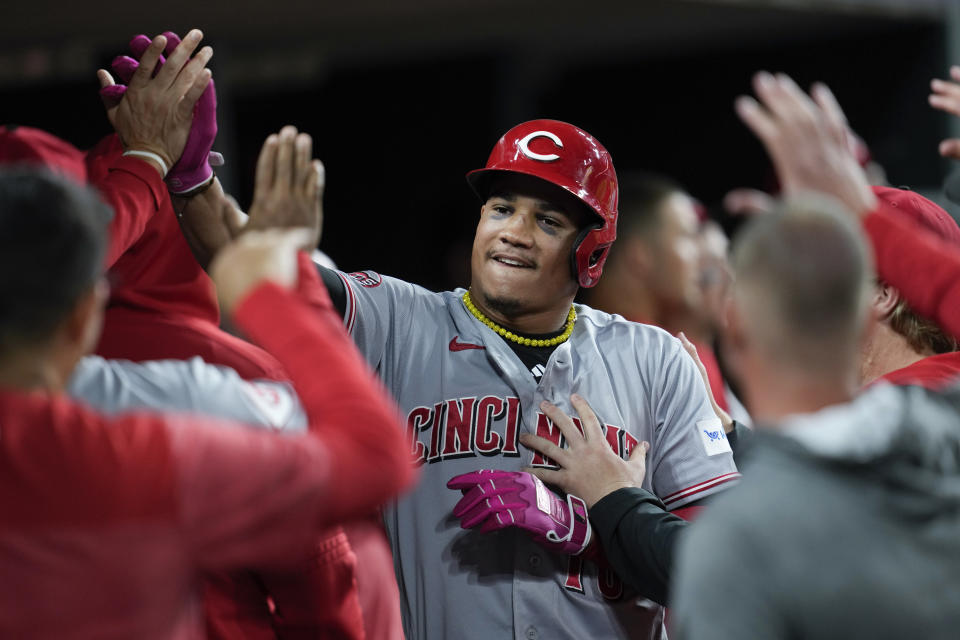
[
  {"x": 502, "y": 209},
  {"x": 549, "y": 223}
]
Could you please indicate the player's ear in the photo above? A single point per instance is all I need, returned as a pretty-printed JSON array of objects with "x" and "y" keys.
[
  {"x": 636, "y": 255},
  {"x": 81, "y": 328},
  {"x": 885, "y": 300},
  {"x": 734, "y": 337}
]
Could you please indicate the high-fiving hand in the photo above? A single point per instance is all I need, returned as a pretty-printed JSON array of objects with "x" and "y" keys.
[
  {"x": 807, "y": 139},
  {"x": 156, "y": 110}
]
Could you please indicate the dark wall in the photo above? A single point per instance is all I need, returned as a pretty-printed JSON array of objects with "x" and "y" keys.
[{"x": 398, "y": 134}]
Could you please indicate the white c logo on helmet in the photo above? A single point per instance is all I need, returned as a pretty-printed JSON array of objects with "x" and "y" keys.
[{"x": 550, "y": 157}]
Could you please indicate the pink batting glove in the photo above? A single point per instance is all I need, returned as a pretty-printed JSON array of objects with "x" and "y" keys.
[
  {"x": 494, "y": 499},
  {"x": 195, "y": 166}
]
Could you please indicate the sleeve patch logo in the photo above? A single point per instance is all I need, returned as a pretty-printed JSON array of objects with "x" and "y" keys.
[
  {"x": 272, "y": 402},
  {"x": 368, "y": 279},
  {"x": 714, "y": 439}
]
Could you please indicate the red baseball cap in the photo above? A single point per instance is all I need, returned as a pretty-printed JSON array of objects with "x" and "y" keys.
[
  {"x": 922, "y": 211},
  {"x": 26, "y": 145}
]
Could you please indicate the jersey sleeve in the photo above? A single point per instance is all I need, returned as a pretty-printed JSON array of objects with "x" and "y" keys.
[
  {"x": 252, "y": 498},
  {"x": 922, "y": 266},
  {"x": 134, "y": 190},
  {"x": 249, "y": 498},
  {"x": 377, "y": 308},
  {"x": 114, "y": 386},
  {"x": 691, "y": 457}
]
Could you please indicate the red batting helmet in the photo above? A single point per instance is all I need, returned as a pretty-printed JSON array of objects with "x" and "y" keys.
[{"x": 571, "y": 158}]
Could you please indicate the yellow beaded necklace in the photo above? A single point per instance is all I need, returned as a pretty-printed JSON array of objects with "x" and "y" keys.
[{"x": 511, "y": 336}]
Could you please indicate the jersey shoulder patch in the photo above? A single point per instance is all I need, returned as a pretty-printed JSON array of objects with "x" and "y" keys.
[
  {"x": 713, "y": 437},
  {"x": 368, "y": 279},
  {"x": 271, "y": 401}
]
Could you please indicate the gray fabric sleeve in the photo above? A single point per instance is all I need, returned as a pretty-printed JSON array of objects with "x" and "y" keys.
[
  {"x": 115, "y": 386},
  {"x": 690, "y": 457},
  {"x": 378, "y": 312},
  {"x": 721, "y": 589}
]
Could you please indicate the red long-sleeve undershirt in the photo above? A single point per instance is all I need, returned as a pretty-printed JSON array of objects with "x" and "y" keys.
[{"x": 151, "y": 499}]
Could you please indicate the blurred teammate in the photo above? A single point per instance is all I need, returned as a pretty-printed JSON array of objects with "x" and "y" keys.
[
  {"x": 886, "y": 462},
  {"x": 108, "y": 521},
  {"x": 655, "y": 272}
]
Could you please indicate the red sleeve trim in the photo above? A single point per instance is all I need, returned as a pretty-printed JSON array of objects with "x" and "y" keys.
[
  {"x": 689, "y": 512},
  {"x": 352, "y": 301},
  {"x": 676, "y": 496}
]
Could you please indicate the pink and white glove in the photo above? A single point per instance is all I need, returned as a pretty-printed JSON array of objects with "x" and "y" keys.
[
  {"x": 195, "y": 166},
  {"x": 494, "y": 499}
]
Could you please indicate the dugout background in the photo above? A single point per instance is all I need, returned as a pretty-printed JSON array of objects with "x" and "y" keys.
[{"x": 403, "y": 98}]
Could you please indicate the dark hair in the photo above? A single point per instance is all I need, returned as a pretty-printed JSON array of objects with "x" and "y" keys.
[
  {"x": 641, "y": 195},
  {"x": 53, "y": 235}
]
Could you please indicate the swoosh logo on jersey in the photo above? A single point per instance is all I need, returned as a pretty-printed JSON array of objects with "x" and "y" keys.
[{"x": 463, "y": 346}]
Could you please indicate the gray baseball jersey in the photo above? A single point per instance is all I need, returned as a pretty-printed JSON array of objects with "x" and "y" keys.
[
  {"x": 112, "y": 386},
  {"x": 467, "y": 397}
]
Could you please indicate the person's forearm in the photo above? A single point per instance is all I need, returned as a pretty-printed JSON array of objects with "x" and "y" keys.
[
  {"x": 346, "y": 406},
  {"x": 638, "y": 536},
  {"x": 135, "y": 192}
]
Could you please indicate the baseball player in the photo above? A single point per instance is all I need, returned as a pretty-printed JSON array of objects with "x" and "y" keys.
[{"x": 470, "y": 369}]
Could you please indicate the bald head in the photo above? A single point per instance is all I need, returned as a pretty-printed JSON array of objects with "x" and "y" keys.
[{"x": 803, "y": 282}]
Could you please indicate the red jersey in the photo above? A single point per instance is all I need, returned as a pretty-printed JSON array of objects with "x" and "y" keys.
[
  {"x": 163, "y": 306},
  {"x": 933, "y": 372},
  {"x": 107, "y": 522},
  {"x": 162, "y": 303}
]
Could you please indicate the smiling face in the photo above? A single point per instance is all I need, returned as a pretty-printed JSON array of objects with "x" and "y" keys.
[{"x": 521, "y": 252}]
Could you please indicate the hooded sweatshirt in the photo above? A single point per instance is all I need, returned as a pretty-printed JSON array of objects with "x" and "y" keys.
[{"x": 846, "y": 525}]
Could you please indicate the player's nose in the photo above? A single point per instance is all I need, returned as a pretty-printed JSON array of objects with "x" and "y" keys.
[{"x": 518, "y": 229}]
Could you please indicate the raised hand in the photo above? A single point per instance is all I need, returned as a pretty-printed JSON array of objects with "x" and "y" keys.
[
  {"x": 807, "y": 139},
  {"x": 155, "y": 113},
  {"x": 945, "y": 96},
  {"x": 194, "y": 169},
  {"x": 255, "y": 258},
  {"x": 589, "y": 468},
  {"x": 288, "y": 186}
]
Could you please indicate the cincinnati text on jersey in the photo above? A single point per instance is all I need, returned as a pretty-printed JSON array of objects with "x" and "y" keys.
[{"x": 487, "y": 426}]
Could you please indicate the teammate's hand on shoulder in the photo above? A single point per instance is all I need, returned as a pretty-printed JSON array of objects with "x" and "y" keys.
[
  {"x": 255, "y": 258},
  {"x": 691, "y": 349},
  {"x": 589, "y": 468},
  {"x": 289, "y": 185}
]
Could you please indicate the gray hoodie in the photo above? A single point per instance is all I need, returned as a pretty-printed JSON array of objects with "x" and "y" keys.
[{"x": 846, "y": 525}]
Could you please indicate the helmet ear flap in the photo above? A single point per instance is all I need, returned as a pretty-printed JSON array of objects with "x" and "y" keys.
[{"x": 575, "y": 253}]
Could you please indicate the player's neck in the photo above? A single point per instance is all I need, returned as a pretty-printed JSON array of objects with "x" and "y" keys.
[
  {"x": 774, "y": 395},
  {"x": 886, "y": 351},
  {"x": 31, "y": 369},
  {"x": 620, "y": 294},
  {"x": 527, "y": 322}
]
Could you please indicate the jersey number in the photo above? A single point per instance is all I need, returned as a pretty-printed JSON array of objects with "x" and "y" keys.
[{"x": 608, "y": 582}]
